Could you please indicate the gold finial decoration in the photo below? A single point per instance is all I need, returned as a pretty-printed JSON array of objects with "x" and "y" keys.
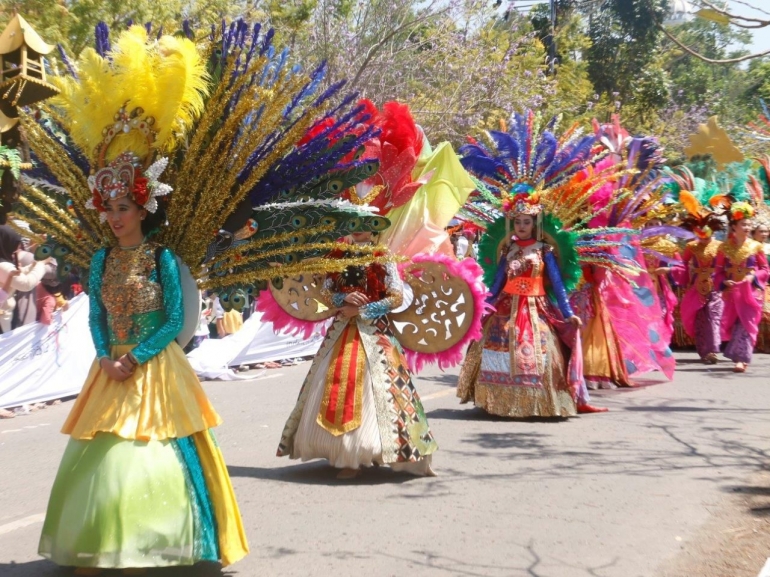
[{"x": 711, "y": 139}]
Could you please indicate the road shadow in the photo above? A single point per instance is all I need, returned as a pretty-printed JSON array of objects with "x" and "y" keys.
[
  {"x": 749, "y": 490},
  {"x": 44, "y": 568},
  {"x": 670, "y": 409},
  {"x": 521, "y": 441},
  {"x": 321, "y": 473},
  {"x": 477, "y": 414},
  {"x": 445, "y": 379}
]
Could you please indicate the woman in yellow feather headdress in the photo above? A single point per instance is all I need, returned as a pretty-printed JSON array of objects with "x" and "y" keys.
[{"x": 142, "y": 482}]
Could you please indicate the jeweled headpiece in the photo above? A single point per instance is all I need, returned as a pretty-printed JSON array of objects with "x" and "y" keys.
[
  {"x": 136, "y": 106},
  {"x": 124, "y": 176},
  {"x": 521, "y": 200}
]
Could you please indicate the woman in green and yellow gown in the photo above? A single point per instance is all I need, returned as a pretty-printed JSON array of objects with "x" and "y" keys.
[{"x": 142, "y": 482}]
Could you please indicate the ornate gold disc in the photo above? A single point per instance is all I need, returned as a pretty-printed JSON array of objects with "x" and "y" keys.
[{"x": 441, "y": 313}]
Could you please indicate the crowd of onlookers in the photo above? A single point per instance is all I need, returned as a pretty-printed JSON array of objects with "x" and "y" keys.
[{"x": 30, "y": 291}]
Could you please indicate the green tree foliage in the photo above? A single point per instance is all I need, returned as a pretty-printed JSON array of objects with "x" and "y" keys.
[
  {"x": 466, "y": 64},
  {"x": 624, "y": 51},
  {"x": 71, "y": 23}
]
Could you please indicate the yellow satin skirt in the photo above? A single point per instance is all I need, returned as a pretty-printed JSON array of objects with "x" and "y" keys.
[{"x": 162, "y": 399}]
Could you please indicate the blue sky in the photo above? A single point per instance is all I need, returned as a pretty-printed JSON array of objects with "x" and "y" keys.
[{"x": 761, "y": 36}]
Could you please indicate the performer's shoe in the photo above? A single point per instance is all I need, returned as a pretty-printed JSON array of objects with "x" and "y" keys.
[
  {"x": 585, "y": 408},
  {"x": 346, "y": 473},
  {"x": 711, "y": 359},
  {"x": 88, "y": 571},
  {"x": 740, "y": 368}
]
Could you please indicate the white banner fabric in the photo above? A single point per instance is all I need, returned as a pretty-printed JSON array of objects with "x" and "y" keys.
[
  {"x": 256, "y": 342},
  {"x": 41, "y": 363}
]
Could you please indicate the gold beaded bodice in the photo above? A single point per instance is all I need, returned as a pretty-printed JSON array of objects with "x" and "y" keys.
[
  {"x": 736, "y": 267},
  {"x": 702, "y": 266},
  {"x": 131, "y": 294}
]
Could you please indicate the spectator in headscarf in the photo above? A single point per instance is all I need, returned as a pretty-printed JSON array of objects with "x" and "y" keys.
[{"x": 26, "y": 280}]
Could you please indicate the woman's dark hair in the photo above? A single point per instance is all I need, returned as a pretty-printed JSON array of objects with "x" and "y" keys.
[
  {"x": 9, "y": 243},
  {"x": 154, "y": 221}
]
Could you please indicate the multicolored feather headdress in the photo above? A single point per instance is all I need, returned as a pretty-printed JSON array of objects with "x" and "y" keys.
[
  {"x": 702, "y": 219},
  {"x": 253, "y": 200},
  {"x": 530, "y": 170}
]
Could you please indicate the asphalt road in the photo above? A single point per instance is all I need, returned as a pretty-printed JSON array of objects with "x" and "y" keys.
[{"x": 615, "y": 494}]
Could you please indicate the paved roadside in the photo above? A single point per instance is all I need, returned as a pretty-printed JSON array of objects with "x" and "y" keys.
[{"x": 619, "y": 494}]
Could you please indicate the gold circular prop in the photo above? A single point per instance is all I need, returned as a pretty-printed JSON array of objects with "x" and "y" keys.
[
  {"x": 440, "y": 314},
  {"x": 301, "y": 298}
]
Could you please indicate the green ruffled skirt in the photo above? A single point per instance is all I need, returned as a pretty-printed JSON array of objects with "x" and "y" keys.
[{"x": 119, "y": 503}]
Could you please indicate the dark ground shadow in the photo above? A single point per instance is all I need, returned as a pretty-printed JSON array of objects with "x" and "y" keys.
[
  {"x": 749, "y": 490},
  {"x": 43, "y": 568},
  {"x": 445, "y": 379},
  {"x": 476, "y": 414},
  {"x": 670, "y": 409},
  {"x": 757, "y": 497},
  {"x": 321, "y": 473}
]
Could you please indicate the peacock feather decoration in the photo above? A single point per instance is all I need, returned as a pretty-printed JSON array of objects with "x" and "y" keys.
[{"x": 215, "y": 134}]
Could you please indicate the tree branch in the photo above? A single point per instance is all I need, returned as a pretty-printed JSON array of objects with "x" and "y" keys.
[
  {"x": 700, "y": 56},
  {"x": 733, "y": 17},
  {"x": 376, "y": 47}
]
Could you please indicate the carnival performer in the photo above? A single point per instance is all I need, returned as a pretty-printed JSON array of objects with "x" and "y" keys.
[
  {"x": 701, "y": 306},
  {"x": 760, "y": 234},
  {"x": 741, "y": 275},
  {"x": 360, "y": 379},
  {"x": 362, "y": 375},
  {"x": 523, "y": 370},
  {"x": 622, "y": 318},
  {"x": 142, "y": 482},
  {"x": 663, "y": 273},
  {"x": 528, "y": 361}
]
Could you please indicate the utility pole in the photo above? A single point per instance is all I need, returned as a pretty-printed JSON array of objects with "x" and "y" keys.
[{"x": 552, "y": 47}]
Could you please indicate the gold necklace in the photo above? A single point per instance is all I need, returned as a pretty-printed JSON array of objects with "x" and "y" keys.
[{"x": 134, "y": 246}]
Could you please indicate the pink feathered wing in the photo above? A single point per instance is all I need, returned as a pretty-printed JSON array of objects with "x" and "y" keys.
[
  {"x": 638, "y": 323},
  {"x": 285, "y": 323}
]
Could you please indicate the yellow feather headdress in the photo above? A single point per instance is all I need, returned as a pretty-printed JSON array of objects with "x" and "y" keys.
[{"x": 162, "y": 81}]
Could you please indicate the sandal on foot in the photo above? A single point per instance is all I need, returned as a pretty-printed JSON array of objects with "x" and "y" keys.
[
  {"x": 347, "y": 474},
  {"x": 585, "y": 408}
]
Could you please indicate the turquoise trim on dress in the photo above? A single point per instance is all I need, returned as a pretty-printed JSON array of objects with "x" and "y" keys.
[
  {"x": 206, "y": 543},
  {"x": 97, "y": 314},
  {"x": 173, "y": 306}
]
